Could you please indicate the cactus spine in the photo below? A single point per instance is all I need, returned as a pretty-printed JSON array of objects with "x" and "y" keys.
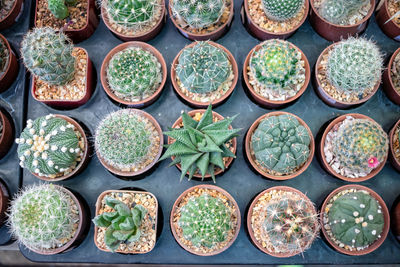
[
  {"x": 339, "y": 12},
  {"x": 282, "y": 10},
  {"x": 59, "y": 8}
]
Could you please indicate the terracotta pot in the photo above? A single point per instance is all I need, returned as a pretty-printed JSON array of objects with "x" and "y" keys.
[
  {"x": 79, "y": 35},
  {"x": 7, "y": 137},
  {"x": 330, "y": 100},
  {"x": 198, "y": 104},
  {"x": 4, "y": 201},
  {"x": 321, "y": 153},
  {"x": 396, "y": 219},
  {"x": 263, "y": 34},
  {"x": 59, "y": 103},
  {"x": 104, "y": 81},
  {"x": 389, "y": 27},
  {"x": 148, "y": 167},
  {"x": 12, "y": 68},
  {"x": 334, "y": 33},
  {"x": 388, "y": 85},
  {"x": 264, "y": 102},
  {"x": 392, "y": 158},
  {"x": 252, "y": 160},
  {"x": 98, "y": 207},
  {"x": 174, "y": 210},
  {"x": 213, "y": 36},
  {"x": 144, "y": 37},
  {"x": 234, "y": 144},
  {"x": 385, "y": 230},
  {"x": 12, "y": 17}
]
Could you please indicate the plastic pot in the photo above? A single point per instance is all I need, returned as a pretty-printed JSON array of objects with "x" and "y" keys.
[
  {"x": 12, "y": 16},
  {"x": 388, "y": 85},
  {"x": 389, "y": 27},
  {"x": 392, "y": 158},
  {"x": 12, "y": 68},
  {"x": 7, "y": 136},
  {"x": 4, "y": 201}
]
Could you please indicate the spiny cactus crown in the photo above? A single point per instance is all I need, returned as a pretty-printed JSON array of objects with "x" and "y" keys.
[
  {"x": 203, "y": 68},
  {"x": 48, "y": 55},
  {"x": 4, "y": 57},
  {"x": 43, "y": 216},
  {"x": 48, "y": 146},
  {"x": 122, "y": 224},
  {"x": 281, "y": 144},
  {"x": 282, "y": 10},
  {"x": 59, "y": 7},
  {"x": 339, "y": 12}
]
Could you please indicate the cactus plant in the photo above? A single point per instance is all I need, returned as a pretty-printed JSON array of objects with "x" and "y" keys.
[
  {"x": 49, "y": 146},
  {"x": 4, "y": 57},
  {"x": 282, "y": 10},
  {"x": 123, "y": 223},
  {"x": 59, "y": 8},
  {"x": 48, "y": 55},
  {"x": 339, "y": 12},
  {"x": 281, "y": 144}
]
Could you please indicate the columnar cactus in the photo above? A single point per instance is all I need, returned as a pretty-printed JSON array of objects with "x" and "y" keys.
[
  {"x": 282, "y": 10},
  {"x": 203, "y": 68},
  {"x": 48, "y": 55},
  {"x": 281, "y": 144},
  {"x": 59, "y": 8},
  {"x": 49, "y": 146},
  {"x": 4, "y": 57},
  {"x": 339, "y": 12}
]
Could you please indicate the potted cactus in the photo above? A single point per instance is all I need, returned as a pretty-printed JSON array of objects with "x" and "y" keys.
[
  {"x": 6, "y": 132},
  {"x": 348, "y": 73},
  {"x": 354, "y": 148},
  {"x": 53, "y": 147},
  {"x": 338, "y": 19},
  {"x": 218, "y": 213},
  {"x": 134, "y": 20},
  {"x": 276, "y": 73},
  {"x": 47, "y": 219},
  {"x": 134, "y": 74},
  {"x": 126, "y": 222},
  {"x": 394, "y": 144},
  {"x": 268, "y": 19},
  {"x": 201, "y": 143},
  {"x": 9, "y": 11},
  {"x": 204, "y": 73},
  {"x": 388, "y": 18},
  {"x": 128, "y": 142},
  {"x": 4, "y": 201},
  {"x": 279, "y": 145},
  {"x": 355, "y": 220},
  {"x": 8, "y": 64},
  {"x": 391, "y": 78}
]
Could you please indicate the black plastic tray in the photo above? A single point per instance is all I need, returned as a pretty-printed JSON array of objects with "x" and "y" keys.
[{"x": 239, "y": 180}]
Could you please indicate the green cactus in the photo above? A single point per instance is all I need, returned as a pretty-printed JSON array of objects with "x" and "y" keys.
[
  {"x": 281, "y": 144},
  {"x": 49, "y": 146},
  {"x": 282, "y": 10},
  {"x": 48, "y": 55},
  {"x": 134, "y": 73},
  {"x": 200, "y": 145},
  {"x": 122, "y": 224},
  {"x": 59, "y": 7},
  {"x": 203, "y": 68},
  {"x": 4, "y": 57},
  {"x": 339, "y": 12}
]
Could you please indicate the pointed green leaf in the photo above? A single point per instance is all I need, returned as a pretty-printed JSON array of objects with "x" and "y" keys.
[
  {"x": 187, "y": 161},
  {"x": 221, "y": 136},
  {"x": 210, "y": 147},
  {"x": 182, "y": 136},
  {"x": 177, "y": 148},
  {"x": 188, "y": 121},
  {"x": 216, "y": 159},
  {"x": 220, "y": 125},
  {"x": 206, "y": 119},
  {"x": 227, "y": 152},
  {"x": 202, "y": 164},
  {"x": 211, "y": 171},
  {"x": 192, "y": 170},
  {"x": 175, "y": 161}
]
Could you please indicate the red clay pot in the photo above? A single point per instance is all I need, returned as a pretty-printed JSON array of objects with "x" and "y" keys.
[
  {"x": 389, "y": 27},
  {"x": 4, "y": 201},
  {"x": 388, "y": 85},
  {"x": 396, "y": 219},
  {"x": 11, "y": 18},
  {"x": 392, "y": 158},
  {"x": 11, "y": 70},
  {"x": 7, "y": 137}
]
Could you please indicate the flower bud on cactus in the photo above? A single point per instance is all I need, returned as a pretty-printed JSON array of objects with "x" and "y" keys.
[
  {"x": 339, "y": 12},
  {"x": 58, "y": 7},
  {"x": 4, "y": 57},
  {"x": 282, "y": 10}
]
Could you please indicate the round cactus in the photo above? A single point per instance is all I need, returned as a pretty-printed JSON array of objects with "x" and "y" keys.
[
  {"x": 49, "y": 146},
  {"x": 58, "y": 7},
  {"x": 339, "y": 12},
  {"x": 4, "y": 57},
  {"x": 282, "y": 10}
]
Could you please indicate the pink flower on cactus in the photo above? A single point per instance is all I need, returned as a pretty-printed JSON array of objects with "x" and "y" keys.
[{"x": 373, "y": 162}]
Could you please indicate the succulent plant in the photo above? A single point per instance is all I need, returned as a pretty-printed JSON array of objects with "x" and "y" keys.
[
  {"x": 282, "y": 10},
  {"x": 48, "y": 55},
  {"x": 203, "y": 68},
  {"x": 43, "y": 216},
  {"x": 339, "y": 12},
  {"x": 49, "y": 146},
  {"x": 281, "y": 144},
  {"x": 59, "y": 7},
  {"x": 4, "y": 57},
  {"x": 122, "y": 224},
  {"x": 134, "y": 73},
  {"x": 200, "y": 145}
]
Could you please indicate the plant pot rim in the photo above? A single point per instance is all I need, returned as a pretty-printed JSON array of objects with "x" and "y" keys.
[
  {"x": 11, "y": 10},
  {"x": 121, "y": 47},
  {"x": 98, "y": 206},
  {"x": 252, "y": 161},
  {"x": 215, "y": 102},
  {"x": 389, "y": 67},
  {"x": 391, "y": 143},
  {"x": 4, "y": 194},
  {"x": 210, "y": 187},
  {"x": 386, "y": 8},
  {"x": 330, "y": 170},
  {"x": 276, "y": 102},
  {"x": 148, "y": 167},
  {"x": 385, "y": 229},
  {"x": 5, "y": 41}
]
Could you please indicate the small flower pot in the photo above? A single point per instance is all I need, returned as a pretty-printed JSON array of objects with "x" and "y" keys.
[
  {"x": 12, "y": 68},
  {"x": 197, "y": 104},
  {"x": 388, "y": 85},
  {"x": 138, "y": 104},
  {"x": 4, "y": 201},
  {"x": 389, "y": 27},
  {"x": 394, "y": 145},
  {"x": 267, "y": 103},
  {"x": 374, "y": 245},
  {"x": 395, "y": 215},
  {"x": 251, "y": 158},
  {"x": 7, "y": 136},
  {"x": 334, "y": 33},
  {"x": 177, "y": 231},
  {"x": 12, "y": 16}
]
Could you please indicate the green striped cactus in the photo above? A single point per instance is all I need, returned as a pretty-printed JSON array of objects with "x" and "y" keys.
[
  {"x": 282, "y": 10},
  {"x": 340, "y": 11},
  {"x": 59, "y": 7}
]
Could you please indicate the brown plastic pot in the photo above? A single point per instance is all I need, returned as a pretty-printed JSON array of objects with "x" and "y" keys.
[
  {"x": 396, "y": 219},
  {"x": 104, "y": 81},
  {"x": 252, "y": 160},
  {"x": 330, "y": 100},
  {"x": 334, "y": 33},
  {"x": 11, "y": 70},
  {"x": 388, "y": 85},
  {"x": 385, "y": 230},
  {"x": 4, "y": 201},
  {"x": 389, "y": 27},
  {"x": 321, "y": 153},
  {"x": 7, "y": 137},
  {"x": 264, "y": 102},
  {"x": 263, "y": 34},
  {"x": 79, "y": 35},
  {"x": 59, "y": 103},
  {"x": 174, "y": 211},
  {"x": 11, "y": 18},
  {"x": 198, "y": 104},
  {"x": 392, "y": 158},
  {"x": 98, "y": 207}
]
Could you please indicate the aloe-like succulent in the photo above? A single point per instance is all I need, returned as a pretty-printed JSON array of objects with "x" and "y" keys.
[
  {"x": 339, "y": 12},
  {"x": 59, "y": 7},
  {"x": 282, "y": 10},
  {"x": 4, "y": 57}
]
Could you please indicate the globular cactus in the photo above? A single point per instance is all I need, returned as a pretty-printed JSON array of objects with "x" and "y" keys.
[
  {"x": 48, "y": 55},
  {"x": 4, "y": 57},
  {"x": 281, "y": 144},
  {"x": 122, "y": 224},
  {"x": 49, "y": 146},
  {"x": 134, "y": 73},
  {"x": 282, "y": 10},
  {"x": 339, "y": 12},
  {"x": 203, "y": 68},
  {"x": 59, "y": 7}
]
